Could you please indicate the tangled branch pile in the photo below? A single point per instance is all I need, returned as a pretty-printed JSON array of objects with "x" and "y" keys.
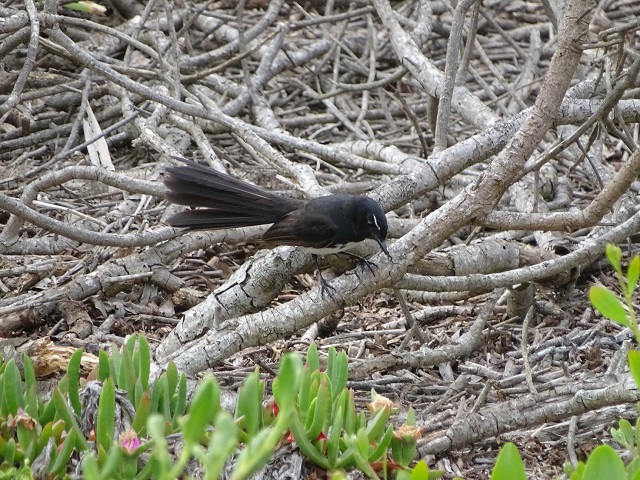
[{"x": 501, "y": 138}]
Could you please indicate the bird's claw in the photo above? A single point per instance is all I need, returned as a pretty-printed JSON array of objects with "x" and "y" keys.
[
  {"x": 325, "y": 287},
  {"x": 363, "y": 262}
]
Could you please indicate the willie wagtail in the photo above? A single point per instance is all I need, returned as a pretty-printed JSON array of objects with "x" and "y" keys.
[{"x": 323, "y": 225}]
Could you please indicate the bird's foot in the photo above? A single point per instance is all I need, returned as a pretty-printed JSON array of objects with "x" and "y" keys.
[
  {"x": 326, "y": 287},
  {"x": 363, "y": 262}
]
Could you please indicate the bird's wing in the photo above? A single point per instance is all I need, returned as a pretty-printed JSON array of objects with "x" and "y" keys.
[{"x": 317, "y": 230}]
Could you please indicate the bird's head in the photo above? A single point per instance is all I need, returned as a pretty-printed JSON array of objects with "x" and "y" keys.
[{"x": 372, "y": 221}]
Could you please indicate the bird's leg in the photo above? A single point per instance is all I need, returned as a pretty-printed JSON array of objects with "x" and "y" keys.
[
  {"x": 363, "y": 262},
  {"x": 326, "y": 287}
]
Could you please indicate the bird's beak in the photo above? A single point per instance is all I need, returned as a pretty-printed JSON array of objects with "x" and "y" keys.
[{"x": 383, "y": 246}]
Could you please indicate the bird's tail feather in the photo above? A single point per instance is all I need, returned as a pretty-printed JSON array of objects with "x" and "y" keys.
[{"x": 228, "y": 202}]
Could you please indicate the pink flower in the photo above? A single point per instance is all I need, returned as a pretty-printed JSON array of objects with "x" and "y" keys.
[{"x": 129, "y": 441}]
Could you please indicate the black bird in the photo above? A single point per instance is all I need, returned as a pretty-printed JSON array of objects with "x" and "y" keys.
[{"x": 322, "y": 225}]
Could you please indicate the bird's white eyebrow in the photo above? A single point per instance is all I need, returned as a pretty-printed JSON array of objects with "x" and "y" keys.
[{"x": 375, "y": 220}]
